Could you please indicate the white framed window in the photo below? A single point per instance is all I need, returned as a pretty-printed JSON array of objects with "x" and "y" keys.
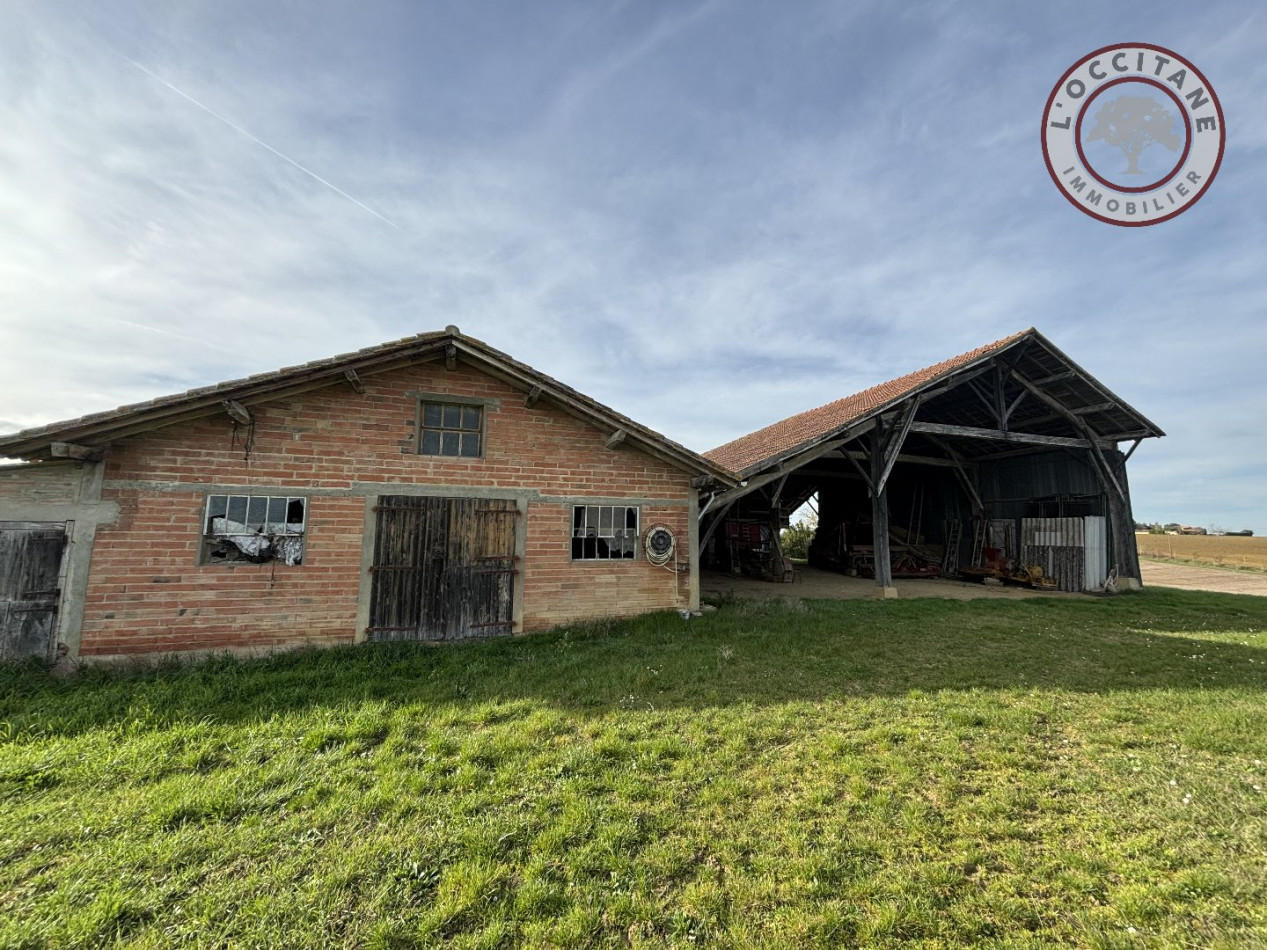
[
  {"x": 604, "y": 532},
  {"x": 255, "y": 528}
]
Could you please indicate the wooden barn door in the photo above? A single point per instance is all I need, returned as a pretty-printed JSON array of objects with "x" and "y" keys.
[
  {"x": 30, "y": 588},
  {"x": 444, "y": 568}
]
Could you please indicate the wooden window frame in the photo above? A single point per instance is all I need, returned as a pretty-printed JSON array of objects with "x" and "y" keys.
[{"x": 421, "y": 399}]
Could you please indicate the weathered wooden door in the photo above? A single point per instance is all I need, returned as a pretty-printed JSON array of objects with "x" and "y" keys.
[
  {"x": 444, "y": 568},
  {"x": 30, "y": 588}
]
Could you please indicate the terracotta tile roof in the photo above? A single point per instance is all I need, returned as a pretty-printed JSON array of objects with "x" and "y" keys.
[
  {"x": 799, "y": 431},
  {"x": 100, "y": 427}
]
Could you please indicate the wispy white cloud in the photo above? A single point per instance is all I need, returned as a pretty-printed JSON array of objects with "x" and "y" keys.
[
  {"x": 709, "y": 217},
  {"x": 260, "y": 142}
]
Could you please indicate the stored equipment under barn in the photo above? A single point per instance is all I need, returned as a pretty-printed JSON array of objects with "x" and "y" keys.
[{"x": 1007, "y": 461}]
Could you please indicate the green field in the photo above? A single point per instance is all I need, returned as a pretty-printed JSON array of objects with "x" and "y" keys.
[{"x": 1087, "y": 772}]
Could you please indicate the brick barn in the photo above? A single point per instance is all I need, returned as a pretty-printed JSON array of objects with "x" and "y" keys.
[
  {"x": 437, "y": 489},
  {"x": 431, "y": 488}
]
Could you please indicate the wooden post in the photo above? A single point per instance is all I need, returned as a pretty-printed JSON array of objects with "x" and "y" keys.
[
  {"x": 880, "y": 517},
  {"x": 1122, "y": 523}
]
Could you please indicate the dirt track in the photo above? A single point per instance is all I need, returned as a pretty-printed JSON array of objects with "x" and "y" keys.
[
  {"x": 1188, "y": 577},
  {"x": 816, "y": 583}
]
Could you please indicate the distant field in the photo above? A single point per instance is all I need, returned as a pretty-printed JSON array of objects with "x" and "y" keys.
[{"x": 1204, "y": 549}]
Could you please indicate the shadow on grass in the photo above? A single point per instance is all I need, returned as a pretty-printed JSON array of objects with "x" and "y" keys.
[{"x": 751, "y": 653}]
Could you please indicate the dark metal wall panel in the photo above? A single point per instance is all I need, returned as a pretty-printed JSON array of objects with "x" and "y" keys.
[{"x": 1007, "y": 485}]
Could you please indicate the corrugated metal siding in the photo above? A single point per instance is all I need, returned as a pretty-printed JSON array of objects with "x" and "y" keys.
[
  {"x": 1057, "y": 546},
  {"x": 1096, "y": 545}
]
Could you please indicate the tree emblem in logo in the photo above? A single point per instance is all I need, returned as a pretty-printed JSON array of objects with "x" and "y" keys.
[
  {"x": 1133, "y": 123},
  {"x": 1142, "y": 103}
]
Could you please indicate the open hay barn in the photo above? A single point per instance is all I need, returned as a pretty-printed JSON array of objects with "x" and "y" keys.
[{"x": 1008, "y": 461}]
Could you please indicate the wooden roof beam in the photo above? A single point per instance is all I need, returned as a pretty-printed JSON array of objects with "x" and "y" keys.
[
  {"x": 972, "y": 432},
  {"x": 80, "y": 453},
  {"x": 354, "y": 381}
]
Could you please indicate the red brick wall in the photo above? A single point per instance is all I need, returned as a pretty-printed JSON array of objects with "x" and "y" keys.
[
  {"x": 147, "y": 593},
  {"x": 44, "y": 483}
]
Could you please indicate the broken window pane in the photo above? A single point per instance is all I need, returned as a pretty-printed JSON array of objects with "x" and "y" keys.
[
  {"x": 256, "y": 528},
  {"x": 277, "y": 511},
  {"x": 257, "y": 511},
  {"x": 604, "y": 532}
]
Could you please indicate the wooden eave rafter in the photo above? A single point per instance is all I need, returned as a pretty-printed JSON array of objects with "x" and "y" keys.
[{"x": 282, "y": 385}]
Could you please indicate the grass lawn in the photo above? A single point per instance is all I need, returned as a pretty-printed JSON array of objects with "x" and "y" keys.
[{"x": 992, "y": 773}]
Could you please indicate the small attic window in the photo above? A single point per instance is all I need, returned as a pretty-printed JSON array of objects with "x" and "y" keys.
[
  {"x": 255, "y": 528},
  {"x": 450, "y": 428}
]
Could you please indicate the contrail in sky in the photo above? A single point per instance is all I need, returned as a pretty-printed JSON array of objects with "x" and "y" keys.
[{"x": 239, "y": 129}]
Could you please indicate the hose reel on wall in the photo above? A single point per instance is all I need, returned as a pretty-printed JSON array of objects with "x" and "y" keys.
[{"x": 660, "y": 544}]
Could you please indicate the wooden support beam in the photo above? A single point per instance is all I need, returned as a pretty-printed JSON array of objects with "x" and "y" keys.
[
  {"x": 857, "y": 458},
  {"x": 972, "y": 432},
  {"x": 1007, "y": 413},
  {"x": 702, "y": 481},
  {"x": 903, "y": 457},
  {"x": 894, "y": 443},
  {"x": 80, "y": 453},
  {"x": 1097, "y": 455},
  {"x": 1098, "y": 407},
  {"x": 238, "y": 412},
  {"x": 957, "y": 380},
  {"x": 778, "y": 490},
  {"x": 717, "y": 520},
  {"x": 986, "y": 401},
  {"x": 533, "y": 397},
  {"x": 616, "y": 438},
  {"x": 1054, "y": 378},
  {"x": 1107, "y": 477},
  {"x": 1131, "y": 451},
  {"x": 450, "y": 357},
  {"x": 354, "y": 381},
  {"x": 880, "y": 515},
  {"x": 965, "y": 480}
]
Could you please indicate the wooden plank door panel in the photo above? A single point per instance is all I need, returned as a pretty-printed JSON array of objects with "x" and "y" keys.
[
  {"x": 444, "y": 568},
  {"x": 30, "y": 577}
]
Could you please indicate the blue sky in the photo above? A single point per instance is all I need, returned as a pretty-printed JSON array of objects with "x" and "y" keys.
[{"x": 707, "y": 215}]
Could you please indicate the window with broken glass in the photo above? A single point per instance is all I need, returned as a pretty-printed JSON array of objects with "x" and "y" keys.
[
  {"x": 451, "y": 428},
  {"x": 255, "y": 528},
  {"x": 604, "y": 532}
]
